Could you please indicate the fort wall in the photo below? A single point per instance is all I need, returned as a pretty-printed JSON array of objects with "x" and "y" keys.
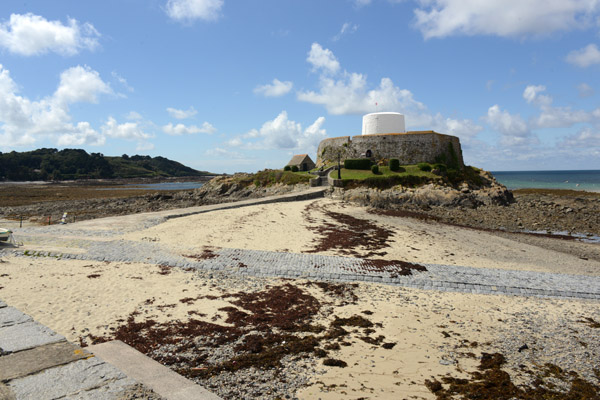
[{"x": 409, "y": 147}]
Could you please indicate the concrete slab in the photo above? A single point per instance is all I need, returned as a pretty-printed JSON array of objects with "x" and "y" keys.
[
  {"x": 11, "y": 316},
  {"x": 28, "y": 362},
  {"x": 26, "y": 336},
  {"x": 71, "y": 379},
  {"x": 6, "y": 393},
  {"x": 145, "y": 370},
  {"x": 121, "y": 389}
]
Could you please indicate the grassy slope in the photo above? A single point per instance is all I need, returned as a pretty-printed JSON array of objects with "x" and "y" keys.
[
  {"x": 352, "y": 174},
  {"x": 410, "y": 176},
  {"x": 156, "y": 167}
]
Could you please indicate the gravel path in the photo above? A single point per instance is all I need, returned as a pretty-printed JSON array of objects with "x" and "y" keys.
[
  {"x": 92, "y": 241},
  {"x": 319, "y": 267}
]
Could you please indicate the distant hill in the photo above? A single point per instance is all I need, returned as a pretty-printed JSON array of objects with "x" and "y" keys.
[{"x": 51, "y": 164}]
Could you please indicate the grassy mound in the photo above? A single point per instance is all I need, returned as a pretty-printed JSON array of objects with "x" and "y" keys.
[{"x": 407, "y": 175}]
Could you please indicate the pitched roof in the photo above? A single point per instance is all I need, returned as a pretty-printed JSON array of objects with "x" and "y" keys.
[{"x": 298, "y": 159}]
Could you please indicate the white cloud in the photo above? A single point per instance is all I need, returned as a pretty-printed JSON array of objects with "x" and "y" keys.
[
  {"x": 31, "y": 34},
  {"x": 144, "y": 146},
  {"x": 322, "y": 59},
  {"x": 513, "y": 128},
  {"x": 122, "y": 81},
  {"x": 181, "y": 114},
  {"x": 134, "y": 116},
  {"x": 80, "y": 84},
  {"x": 181, "y": 129},
  {"x": 585, "y": 57},
  {"x": 127, "y": 130},
  {"x": 531, "y": 94},
  {"x": 506, "y": 18},
  {"x": 189, "y": 10},
  {"x": 84, "y": 134},
  {"x": 550, "y": 116},
  {"x": 220, "y": 152},
  {"x": 585, "y": 90},
  {"x": 24, "y": 122},
  {"x": 349, "y": 93},
  {"x": 347, "y": 28},
  {"x": 275, "y": 89},
  {"x": 282, "y": 133},
  {"x": 587, "y": 138},
  {"x": 235, "y": 142},
  {"x": 463, "y": 128},
  {"x": 560, "y": 117}
]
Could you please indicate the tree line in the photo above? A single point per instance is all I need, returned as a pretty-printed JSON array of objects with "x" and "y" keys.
[{"x": 71, "y": 164}]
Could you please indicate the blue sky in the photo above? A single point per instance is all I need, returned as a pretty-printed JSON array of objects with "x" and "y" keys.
[{"x": 226, "y": 86}]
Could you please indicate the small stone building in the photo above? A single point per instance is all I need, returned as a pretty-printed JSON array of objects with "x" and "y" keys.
[{"x": 302, "y": 161}]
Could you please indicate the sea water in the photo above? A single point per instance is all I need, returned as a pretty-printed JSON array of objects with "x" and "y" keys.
[
  {"x": 159, "y": 186},
  {"x": 588, "y": 180}
]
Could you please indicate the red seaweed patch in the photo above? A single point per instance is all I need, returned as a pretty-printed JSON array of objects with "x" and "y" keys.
[
  {"x": 346, "y": 234},
  {"x": 164, "y": 269},
  {"x": 492, "y": 383},
  {"x": 206, "y": 254},
  {"x": 394, "y": 267},
  {"x": 263, "y": 328}
]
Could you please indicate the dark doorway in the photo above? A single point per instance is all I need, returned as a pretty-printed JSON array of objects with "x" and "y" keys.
[
  {"x": 304, "y": 167},
  {"x": 368, "y": 154}
]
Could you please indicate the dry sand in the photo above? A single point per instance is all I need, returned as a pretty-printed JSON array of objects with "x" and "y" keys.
[
  {"x": 426, "y": 326},
  {"x": 284, "y": 227},
  {"x": 430, "y": 329}
]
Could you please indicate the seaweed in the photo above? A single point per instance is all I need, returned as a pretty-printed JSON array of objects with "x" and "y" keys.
[
  {"x": 346, "y": 233},
  {"x": 333, "y": 362},
  {"x": 355, "y": 320},
  {"x": 491, "y": 383},
  {"x": 264, "y": 328}
]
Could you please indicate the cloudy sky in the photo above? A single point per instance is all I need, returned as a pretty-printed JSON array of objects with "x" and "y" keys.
[{"x": 225, "y": 86}]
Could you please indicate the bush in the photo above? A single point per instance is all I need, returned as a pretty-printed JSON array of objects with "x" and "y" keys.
[
  {"x": 270, "y": 177},
  {"x": 375, "y": 169},
  {"x": 386, "y": 182},
  {"x": 440, "y": 167},
  {"x": 294, "y": 168},
  {"x": 424, "y": 166},
  {"x": 287, "y": 168},
  {"x": 357, "y": 163},
  {"x": 394, "y": 164}
]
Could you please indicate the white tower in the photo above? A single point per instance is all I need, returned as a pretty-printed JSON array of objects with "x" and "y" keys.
[{"x": 383, "y": 122}]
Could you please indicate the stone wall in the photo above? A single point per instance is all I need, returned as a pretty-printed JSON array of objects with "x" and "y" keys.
[{"x": 409, "y": 147}]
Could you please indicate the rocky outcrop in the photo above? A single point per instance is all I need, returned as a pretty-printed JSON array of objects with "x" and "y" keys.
[
  {"x": 218, "y": 190},
  {"x": 233, "y": 188},
  {"x": 468, "y": 195}
]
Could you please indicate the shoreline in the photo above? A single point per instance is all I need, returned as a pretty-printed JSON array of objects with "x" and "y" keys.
[{"x": 195, "y": 293}]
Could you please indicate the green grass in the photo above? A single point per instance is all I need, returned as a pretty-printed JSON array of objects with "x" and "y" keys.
[
  {"x": 411, "y": 176},
  {"x": 270, "y": 177},
  {"x": 356, "y": 174},
  {"x": 127, "y": 169}
]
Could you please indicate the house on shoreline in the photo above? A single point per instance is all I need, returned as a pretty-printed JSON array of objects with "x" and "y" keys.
[{"x": 302, "y": 161}]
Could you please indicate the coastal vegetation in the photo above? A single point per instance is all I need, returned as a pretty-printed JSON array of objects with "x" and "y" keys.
[
  {"x": 49, "y": 164},
  {"x": 269, "y": 177},
  {"x": 384, "y": 177}
]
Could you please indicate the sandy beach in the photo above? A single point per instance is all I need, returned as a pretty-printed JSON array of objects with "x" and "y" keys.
[{"x": 385, "y": 341}]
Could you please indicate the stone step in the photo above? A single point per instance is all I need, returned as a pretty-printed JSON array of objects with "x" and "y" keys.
[{"x": 145, "y": 370}]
